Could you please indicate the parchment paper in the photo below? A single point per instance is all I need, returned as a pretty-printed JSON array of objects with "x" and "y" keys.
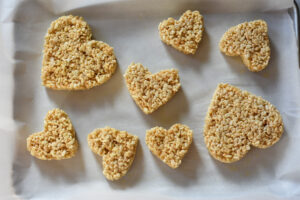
[{"x": 131, "y": 28}]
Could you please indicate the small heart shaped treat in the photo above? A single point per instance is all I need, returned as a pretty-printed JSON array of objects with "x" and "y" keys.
[
  {"x": 183, "y": 34},
  {"x": 150, "y": 91},
  {"x": 72, "y": 61},
  {"x": 57, "y": 141},
  {"x": 236, "y": 120},
  {"x": 170, "y": 145},
  {"x": 117, "y": 149},
  {"x": 250, "y": 41}
]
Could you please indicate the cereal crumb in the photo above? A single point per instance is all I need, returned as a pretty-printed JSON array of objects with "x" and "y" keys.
[
  {"x": 117, "y": 149},
  {"x": 183, "y": 34},
  {"x": 150, "y": 91},
  {"x": 236, "y": 120},
  {"x": 170, "y": 145},
  {"x": 57, "y": 141},
  {"x": 72, "y": 61},
  {"x": 250, "y": 41}
]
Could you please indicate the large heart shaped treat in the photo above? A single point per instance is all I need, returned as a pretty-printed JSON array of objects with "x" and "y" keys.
[
  {"x": 236, "y": 120},
  {"x": 72, "y": 61},
  {"x": 183, "y": 34},
  {"x": 57, "y": 141},
  {"x": 150, "y": 91},
  {"x": 117, "y": 149},
  {"x": 170, "y": 145},
  {"x": 250, "y": 41}
]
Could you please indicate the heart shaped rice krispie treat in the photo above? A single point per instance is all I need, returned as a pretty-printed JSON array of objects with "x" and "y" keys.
[
  {"x": 236, "y": 120},
  {"x": 183, "y": 34},
  {"x": 250, "y": 41},
  {"x": 170, "y": 145},
  {"x": 57, "y": 141},
  {"x": 72, "y": 61},
  {"x": 150, "y": 91},
  {"x": 117, "y": 149}
]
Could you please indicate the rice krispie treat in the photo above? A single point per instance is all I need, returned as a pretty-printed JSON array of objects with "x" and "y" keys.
[
  {"x": 57, "y": 141},
  {"x": 236, "y": 120},
  {"x": 150, "y": 91},
  {"x": 183, "y": 34},
  {"x": 72, "y": 61},
  {"x": 117, "y": 149},
  {"x": 250, "y": 41},
  {"x": 170, "y": 145}
]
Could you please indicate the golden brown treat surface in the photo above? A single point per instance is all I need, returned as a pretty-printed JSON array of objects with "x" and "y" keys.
[
  {"x": 236, "y": 120},
  {"x": 170, "y": 145},
  {"x": 150, "y": 91},
  {"x": 183, "y": 34},
  {"x": 250, "y": 41},
  {"x": 117, "y": 149},
  {"x": 72, "y": 61},
  {"x": 57, "y": 141}
]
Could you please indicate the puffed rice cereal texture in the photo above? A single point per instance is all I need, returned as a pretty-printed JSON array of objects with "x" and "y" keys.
[
  {"x": 72, "y": 61},
  {"x": 150, "y": 91},
  {"x": 237, "y": 120},
  {"x": 183, "y": 34},
  {"x": 250, "y": 41},
  {"x": 170, "y": 145},
  {"x": 117, "y": 148},
  {"x": 57, "y": 141}
]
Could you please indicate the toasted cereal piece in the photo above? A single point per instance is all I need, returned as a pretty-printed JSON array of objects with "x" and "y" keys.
[
  {"x": 72, "y": 61},
  {"x": 170, "y": 145},
  {"x": 250, "y": 41},
  {"x": 57, "y": 141},
  {"x": 183, "y": 34},
  {"x": 236, "y": 120},
  {"x": 150, "y": 91},
  {"x": 117, "y": 149}
]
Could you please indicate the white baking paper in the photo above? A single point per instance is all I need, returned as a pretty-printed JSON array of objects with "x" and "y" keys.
[{"x": 131, "y": 28}]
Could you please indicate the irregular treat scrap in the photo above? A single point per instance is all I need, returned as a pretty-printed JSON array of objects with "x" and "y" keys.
[
  {"x": 183, "y": 34},
  {"x": 150, "y": 91},
  {"x": 72, "y": 61},
  {"x": 117, "y": 149},
  {"x": 170, "y": 145},
  {"x": 57, "y": 141},
  {"x": 236, "y": 120},
  {"x": 250, "y": 41}
]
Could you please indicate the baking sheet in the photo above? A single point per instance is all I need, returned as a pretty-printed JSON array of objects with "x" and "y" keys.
[{"x": 131, "y": 28}]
